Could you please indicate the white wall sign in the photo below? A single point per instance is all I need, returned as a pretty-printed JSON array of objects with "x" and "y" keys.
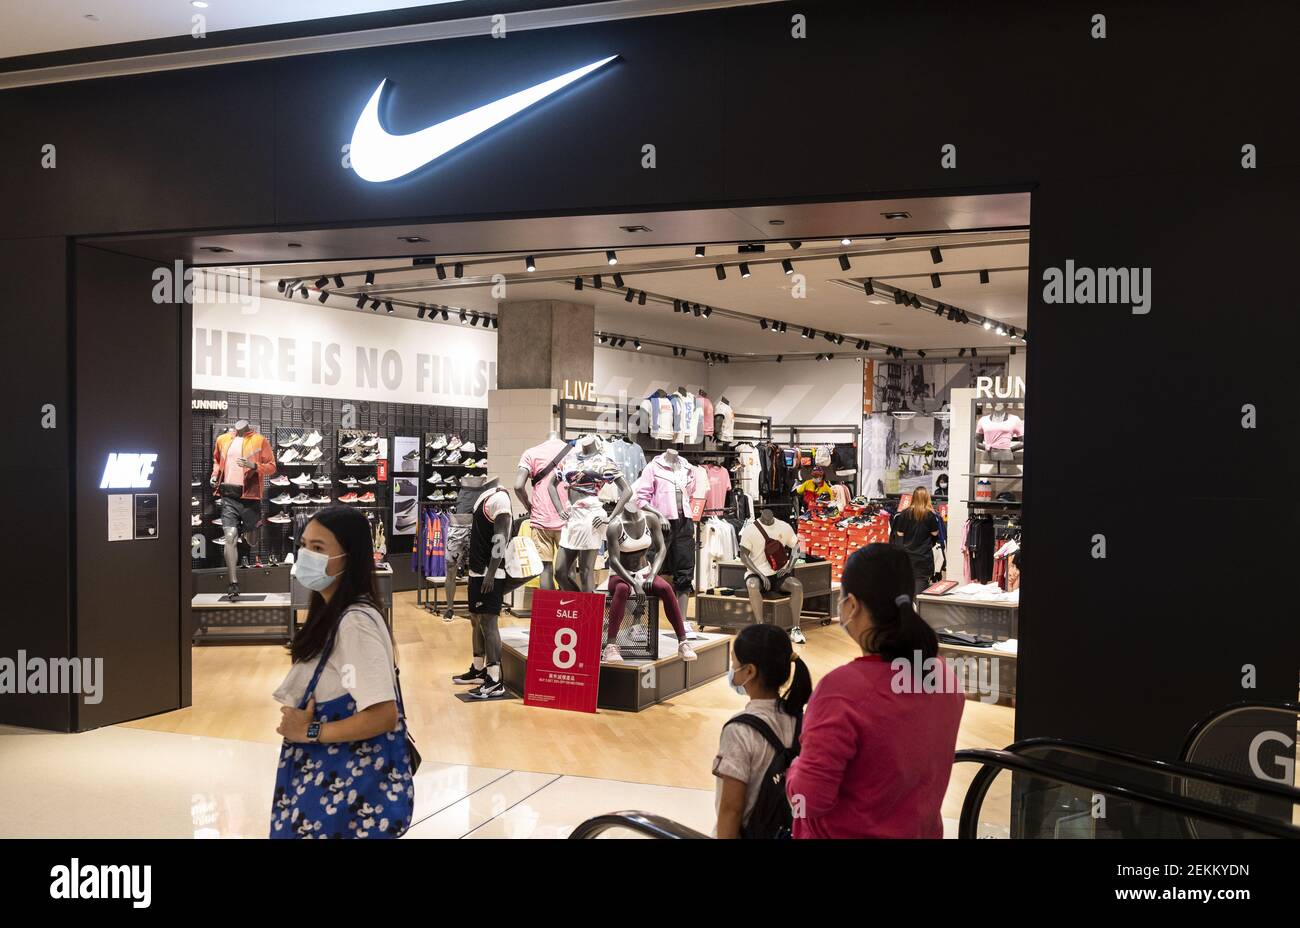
[
  {"x": 313, "y": 350},
  {"x": 1013, "y": 388},
  {"x": 128, "y": 471},
  {"x": 121, "y": 516}
]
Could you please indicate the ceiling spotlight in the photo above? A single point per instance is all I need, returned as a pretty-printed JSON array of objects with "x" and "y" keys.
[
  {"x": 720, "y": 271},
  {"x": 699, "y": 251},
  {"x": 844, "y": 263},
  {"x": 984, "y": 277},
  {"x": 419, "y": 313},
  {"x": 677, "y": 306},
  {"x": 640, "y": 301},
  {"x": 529, "y": 264},
  {"x": 577, "y": 283},
  {"x": 794, "y": 246},
  {"x": 370, "y": 278},
  {"x": 898, "y": 297},
  {"x": 445, "y": 315},
  {"x": 604, "y": 339},
  {"x": 473, "y": 319},
  {"x": 819, "y": 356},
  {"x": 935, "y": 281},
  {"x": 762, "y": 324},
  {"x": 807, "y": 333},
  {"x": 463, "y": 317},
  {"x": 839, "y": 339},
  {"x": 830, "y": 357},
  {"x": 744, "y": 269},
  {"x": 459, "y": 270},
  {"x": 938, "y": 310},
  {"x": 1013, "y": 351},
  {"x": 442, "y": 271},
  {"x": 868, "y": 287},
  {"x": 618, "y": 280},
  {"x": 324, "y": 296},
  {"x": 780, "y": 358},
  {"x": 374, "y": 305},
  {"x": 987, "y": 325},
  {"x": 936, "y": 255},
  {"x": 916, "y": 301},
  {"x": 696, "y": 310},
  {"x": 708, "y": 311},
  {"x": 496, "y": 323},
  {"x": 611, "y": 257},
  {"x": 787, "y": 265},
  {"x": 338, "y": 281},
  {"x": 974, "y": 352},
  {"x": 280, "y": 285},
  {"x": 961, "y": 352},
  {"x": 920, "y": 353},
  {"x": 303, "y": 290},
  {"x": 829, "y": 337},
  {"x": 361, "y": 301},
  {"x": 1000, "y": 331},
  {"x": 636, "y": 343},
  {"x": 597, "y": 282},
  {"x": 846, "y": 241}
]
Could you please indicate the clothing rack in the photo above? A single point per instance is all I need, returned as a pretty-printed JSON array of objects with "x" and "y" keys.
[{"x": 798, "y": 440}]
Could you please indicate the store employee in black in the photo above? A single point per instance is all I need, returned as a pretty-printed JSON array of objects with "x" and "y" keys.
[{"x": 916, "y": 531}]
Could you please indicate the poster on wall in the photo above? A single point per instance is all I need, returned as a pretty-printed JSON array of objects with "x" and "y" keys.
[
  {"x": 868, "y": 387},
  {"x": 406, "y": 455}
]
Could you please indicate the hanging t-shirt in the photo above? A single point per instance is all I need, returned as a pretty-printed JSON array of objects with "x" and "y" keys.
[
  {"x": 534, "y": 460},
  {"x": 719, "y": 484},
  {"x": 688, "y": 420},
  {"x": 659, "y": 417},
  {"x": 628, "y": 456},
  {"x": 430, "y": 553},
  {"x": 706, "y": 413},
  {"x": 752, "y": 540},
  {"x": 998, "y": 433},
  {"x": 727, "y": 427},
  {"x": 749, "y": 468}
]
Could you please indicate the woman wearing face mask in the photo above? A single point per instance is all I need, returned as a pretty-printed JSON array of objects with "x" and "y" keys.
[
  {"x": 345, "y": 769},
  {"x": 876, "y": 749},
  {"x": 762, "y": 660}
]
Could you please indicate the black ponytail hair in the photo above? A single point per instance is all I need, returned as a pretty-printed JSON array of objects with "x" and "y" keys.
[
  {"x": 880, "y": 576},
  {"x": 769, "y": 650}
]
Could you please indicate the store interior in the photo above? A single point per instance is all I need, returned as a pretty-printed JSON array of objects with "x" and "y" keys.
[{"x": 884, "y": 355}]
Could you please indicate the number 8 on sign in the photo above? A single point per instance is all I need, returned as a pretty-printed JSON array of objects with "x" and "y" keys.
[{"x": 566, "y": 640}]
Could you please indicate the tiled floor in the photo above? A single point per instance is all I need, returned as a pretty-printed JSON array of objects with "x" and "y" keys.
[{"x": 125, "y": 782}]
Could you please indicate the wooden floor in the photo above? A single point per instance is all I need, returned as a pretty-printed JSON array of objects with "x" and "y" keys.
[{"x": 671, "y": 744}]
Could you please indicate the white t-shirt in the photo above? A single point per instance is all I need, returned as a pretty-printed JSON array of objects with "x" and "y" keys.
[
  {"x": 744, "y": 754},
  {"x": 234, "y": 472},
  {"x": 726, "y": 429},
  {"x": 749, "y": 470},
  {"x": 364, "y": 649},
  {"x": 753, "y": 542},
  {"x": 498, "y": 501}
]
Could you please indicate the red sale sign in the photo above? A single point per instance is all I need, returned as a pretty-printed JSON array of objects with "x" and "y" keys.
[{"x": 564, "y": 642}]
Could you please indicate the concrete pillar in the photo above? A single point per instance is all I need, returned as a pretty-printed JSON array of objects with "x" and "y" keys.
[
  {"x": 543, "y": 343},
  {"x": 517, "y": 420}
]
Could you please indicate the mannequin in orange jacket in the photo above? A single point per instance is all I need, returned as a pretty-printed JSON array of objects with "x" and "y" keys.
[{"x": 258, "y": 462}]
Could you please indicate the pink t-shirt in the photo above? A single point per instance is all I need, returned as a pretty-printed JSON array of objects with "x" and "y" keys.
[
  {"x": 706, "y": 407},
  {"x": 534, "y": 460},
  {"x": 719, "y": 484},
  {"x": 998, "y": 435},
  {"x": 874, "y": 763}
]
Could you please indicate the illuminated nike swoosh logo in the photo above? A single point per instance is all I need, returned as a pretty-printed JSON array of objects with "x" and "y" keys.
[{"x": 377, "y": 155}]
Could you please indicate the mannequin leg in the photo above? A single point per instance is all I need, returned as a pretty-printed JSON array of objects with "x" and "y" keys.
[
  {"x": 663, "y": 589},
  {"x": 683, "y": 603},
  {"x": 449, "y": 591},
  {"x": 794, "y": 588},
  {"x": 755, "y": 588},
  {"x": 619, "y": 593},
  {"x": 565, "y": 564},
  {"x": 231, "y": 536},
  {"x": 587, "y": 571}
]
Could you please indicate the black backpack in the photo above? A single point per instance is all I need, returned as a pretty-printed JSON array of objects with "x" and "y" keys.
[{"x": 771, "y": 816}]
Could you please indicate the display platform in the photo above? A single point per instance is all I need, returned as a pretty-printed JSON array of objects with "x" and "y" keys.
[
  {"x": 260, "y": 617},
  {"x": 820, "y": 593},
  {"x": 633, "y": 685},
  {"x": 997, "y": 620},
  {"x": 977, "y": 675}
]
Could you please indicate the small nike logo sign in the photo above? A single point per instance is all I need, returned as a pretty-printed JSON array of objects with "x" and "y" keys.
[
  {"x": 379, "y": 156},
  {"x": 565, "y": 602}
]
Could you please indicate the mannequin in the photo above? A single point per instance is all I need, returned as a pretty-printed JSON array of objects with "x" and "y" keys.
[
  {"x": 533, "y": 478},
  {"x": 997, "y": 434},
  {"x": 761, "y": 577},
  {"x": 667, "y": 486},
  {"x": 461, "y": 518},
  {"x": 724, "y": 420},
  {"x": 489, "y": 535},
  {"x": 241, "y": 460},
  {"x": 584, "y": 471},
  {"x": 707, "y": 414},
  {"x": 636, "y": 549}
]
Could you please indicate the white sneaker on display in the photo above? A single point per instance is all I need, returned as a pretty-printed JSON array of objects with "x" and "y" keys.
[
  {"x": 685, "y": 651},
  {"x": 312, "y": 440},
  {"x": 313, "y": 455}
]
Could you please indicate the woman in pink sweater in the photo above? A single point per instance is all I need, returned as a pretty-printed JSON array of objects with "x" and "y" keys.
[{"x": 879, "y": 733}]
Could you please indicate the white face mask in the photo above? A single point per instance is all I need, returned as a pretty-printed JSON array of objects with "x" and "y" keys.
[
  {"x": 309, "y": 569},
  {"x": 731, "y": 682}
]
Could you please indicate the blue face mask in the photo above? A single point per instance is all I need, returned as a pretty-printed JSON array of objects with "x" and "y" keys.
[
  {"x": 309, "y": 569},
  {"x": 731, "y": 682}
]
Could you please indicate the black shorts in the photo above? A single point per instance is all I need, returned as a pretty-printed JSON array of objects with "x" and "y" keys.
[
  {"x": 775, "y": 584},
  {"x": 486, "y": 603},
  {"x": 243, "y": 515}
]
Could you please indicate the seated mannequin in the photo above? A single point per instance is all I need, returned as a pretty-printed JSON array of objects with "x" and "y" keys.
[
  {"x": 584, "y": 472},
  {"x": 636, "y": 549},
  {"x": 761, "y": 576}
]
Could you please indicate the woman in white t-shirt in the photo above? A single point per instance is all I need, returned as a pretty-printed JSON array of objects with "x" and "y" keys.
[
  {"x": 347, "y": 727},
  {"x": 762, "y": 660}
]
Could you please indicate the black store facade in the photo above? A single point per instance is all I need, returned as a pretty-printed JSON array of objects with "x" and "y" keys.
[{"x": 1131, "y": 148}]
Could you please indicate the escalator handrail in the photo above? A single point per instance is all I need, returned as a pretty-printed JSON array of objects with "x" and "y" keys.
[
  {"x": 993, "y": 761},
  {"x": 646, "y": 823},
  {"x": 1233, "y": 708},
  {"x": 1184, "y": 769}
]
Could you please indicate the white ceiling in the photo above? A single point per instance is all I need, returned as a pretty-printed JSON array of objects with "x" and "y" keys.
[
  {"x": 835, "y": 300},
  {"x": 29, "y": 28}
]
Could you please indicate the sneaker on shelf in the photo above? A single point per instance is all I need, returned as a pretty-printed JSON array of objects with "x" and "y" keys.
[
  {"x": 279, "y": 480},
  {"x": 294, "y": 439},
  {"x": 243, "y": 562},
  {"x": 439, "y": 457},
  {"x": 283, "y": 499},
  {"x": 685, "y": 651},
  {"x": 470, "y": 676},
  {"x": 438, "y": 442},
  {"x": 349, "y": 481},
  {"x": 351, "y": 444},
  {"x": 437, "y": 496},
  {"x": 454, "y": 443},
  {"x": 194, "y": 501},
  {"x": 315, "y": 454},
  {"x": 412, "y": 455},
  {"x": 312, "y": 440},
  {"x": 322, "y": 481},
  {"x": 289, "y": 456},
  {"x": 272, "y": 561},
  {"x": 434, "y": 477},
  {"x": 216, "y": 521},
  {"x": 468, "y": 448},
  {"x": 196, "y": 520},
  {"x": 352, "y": 458},
  {"x": 195, "y": 483},
  {"x": 469, "y": 464},
  {"x": 612, "y": 654},
  {"x": 369, "y": 458},
  {"x": 367, "y": 481},
  {"x": 452, "y": 482},
  {"x": 489, "y": 689},
  {"x": 454, "y": 457},
  {"x": 796, "y": 635},
  {"x": 302, "y": 480},
  {"x": 370, "y": 441},
  {"x": 322, "y": 499},
  {"x": 348, "y": 498},
  {"x": 366, "y": 498},
  {"x": 219, "y": 541},
  {"x": 482, "y": 463},
  {"x": 280, "y": 518}
]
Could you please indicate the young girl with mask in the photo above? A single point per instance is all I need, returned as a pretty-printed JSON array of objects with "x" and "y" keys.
[
  {"x": 345, "y": 768},
  {"x": 762, "y": 660},
  {"x": 875, "y": 754}
]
